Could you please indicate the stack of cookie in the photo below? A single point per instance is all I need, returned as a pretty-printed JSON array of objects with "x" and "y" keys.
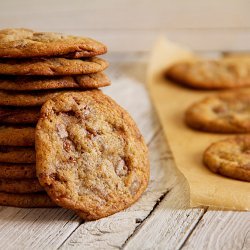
[{"x": 35, "y": 67}]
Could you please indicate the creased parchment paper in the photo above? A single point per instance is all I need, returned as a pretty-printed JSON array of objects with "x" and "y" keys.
[{"x": 171, "y": 101}]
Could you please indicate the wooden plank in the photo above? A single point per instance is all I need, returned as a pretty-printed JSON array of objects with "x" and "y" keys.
[
  {"x": 221, "y": 230},
  {"x": 35, "y": 228}
]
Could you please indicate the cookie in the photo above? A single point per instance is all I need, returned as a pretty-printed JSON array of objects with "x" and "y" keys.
[
  {"x": 16, "y": 115},
  {"x": 27, "y": 83},
  {"x": 230, "y": 157},
  {"x": 32, "y": 98},
  {"x": 212, "y": 74},
  {"x": 17, "y": 154},
  {"x": 52, "y": 66},
  {"x": 26, "y": 200},
  {"x": 91, "y": 157},
  {"x": 17, "y": 136},
  {"x": 224, "y": 113},
  {"x": 20, "y": 186},
  {"x": 20, "y": 43},
  {"x": 17, "y": 171}
]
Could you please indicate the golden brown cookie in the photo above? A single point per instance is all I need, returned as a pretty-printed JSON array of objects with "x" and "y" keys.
[
  {"x": 17, "y": 171},
  {"x": 20, "y": 186},
  {"x": 212, "y": 74},
  {"x": 31, "y": 98},
  {"x": 17, "y": 136},
  {"x": 19, "y": 115},
  {"x": 227, "y": 112},
  {"x": 26, "y": 200},
  {"x": 230, "y": 157},
  {"x": 52, "y": 66},
  {"x": 14, "y": 154},
  {"x": 91, "y": 157},
  {"x": 28, "y": 43},
  {"x": 27, "y": 83}
]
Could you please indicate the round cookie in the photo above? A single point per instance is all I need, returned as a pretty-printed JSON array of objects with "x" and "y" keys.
[
  {"x": 17, "y": 115},
  {"x": 32, "y": 98},
  {"x": 20, "y": 186},
  {"x": 52, "y": 66},
  {"x": 91, "y": 157},
  {"x": 27, "y": 83},
  {"x": 224, "y": 113},
  {"x": 13, "y": 154},
  {"x": 230, "y": 157},
  {"x": 26, "y": 200},
  {"x": 213, "y": 74},
  {"x": 17, "y": 136},
  {"x": 17, "y": 171},
  {"x": 19, "y": 43}
]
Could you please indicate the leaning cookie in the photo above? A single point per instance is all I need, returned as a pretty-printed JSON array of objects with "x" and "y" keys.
[
  {"x": 212, "y": 74},
  {"x": 21, "y": 43},
  {"x": 91, "y": 157},
  {"x": 29, "y": 83},
  {"x": 230, "y": 158},
  {"x": 227, "y": 112}
]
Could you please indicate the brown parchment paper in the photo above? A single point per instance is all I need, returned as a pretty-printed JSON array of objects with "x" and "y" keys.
[{"x": 170, "y": 101}]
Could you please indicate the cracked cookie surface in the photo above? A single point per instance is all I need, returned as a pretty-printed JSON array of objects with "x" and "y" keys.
[
  {"x": 227, "y": 112},
  {"x": 91, "y": 157},
  {"x": 20, "y": 43},
  {"x": 230, "y": 157},
  {"x": 52, "y": 66},
  {"x": 29, "y": 83},
  {"x": 212, "y": 74}
]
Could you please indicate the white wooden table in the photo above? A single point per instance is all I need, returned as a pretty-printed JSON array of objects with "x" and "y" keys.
[{"x": 159, "y": 220}]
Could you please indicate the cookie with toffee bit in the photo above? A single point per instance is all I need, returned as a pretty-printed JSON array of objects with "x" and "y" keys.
[
  {"x": 91, "y": 157},
  {"x": 230, "y": 157},
  {"x": 29, "y": 83},
  {"x": 52, "y": 66},
  {"x": 17, "y": 171},
  {"x": 21, "y": 43},
  {"x": 14, "y": 154},
  {"x": 26, "y": 200},
  {"x": 17, "y": 136},
  {"x": 212, "y": 74},
  {"x": 223, "y": 113},
  {"x": 20, "y": 186}
]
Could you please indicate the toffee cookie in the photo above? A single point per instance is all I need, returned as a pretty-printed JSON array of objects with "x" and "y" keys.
[
  {"x": 26, "y": 200},
  {"x": 220, "y": 74},
  {"x": 17, "y": 115},
  {"x": 17, "y": 154},
  {"x": 32, "y": 98},
  {"x": 18, "y": 43},
  {"x": 230, "y": 157},
  {"x": 52, "y": 66},
  {"x": 20, "y": 186},
  {"x": 17, "y": 171},
  {"x": 224, "y": 113},
  {"x": 27, "y": 83},
  {"x": 17, "y": 136},
  {"x": 91, "y": 157}
]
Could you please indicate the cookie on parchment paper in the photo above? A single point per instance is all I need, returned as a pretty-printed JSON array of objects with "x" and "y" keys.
[
  {"x": 212, "y": 74},
  {"x": 227, "y": 112},
  {"x": 21, "y": 43},
  {"x": 91, "y": 157},
  {"x": 230, "y": 157}
]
